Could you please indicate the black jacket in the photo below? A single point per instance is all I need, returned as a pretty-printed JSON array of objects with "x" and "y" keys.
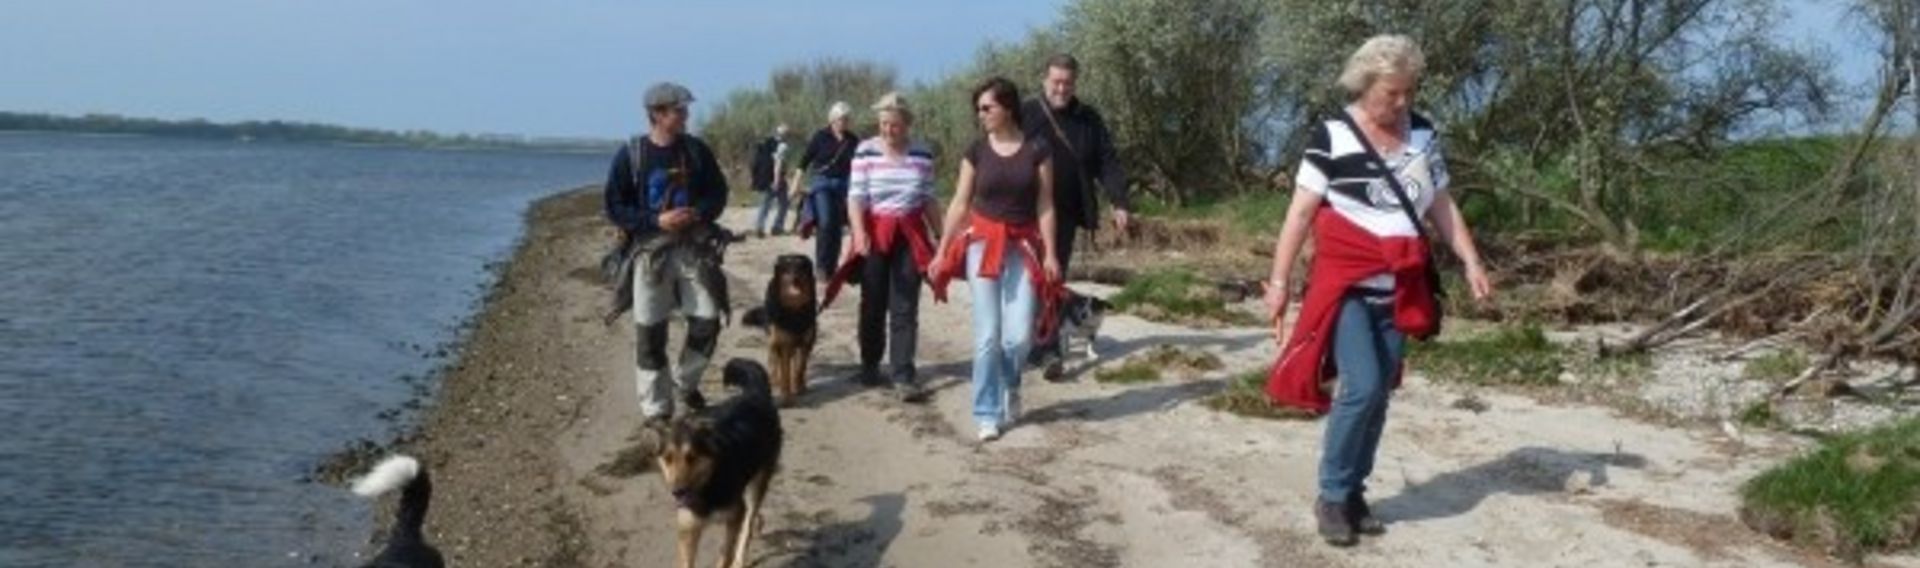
[{"x": 1088, "y": 148}]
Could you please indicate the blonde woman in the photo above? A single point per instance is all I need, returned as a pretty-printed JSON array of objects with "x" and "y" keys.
[
  {"x": 891, "y": 208},
  {"x": 1367, "y": 185}
]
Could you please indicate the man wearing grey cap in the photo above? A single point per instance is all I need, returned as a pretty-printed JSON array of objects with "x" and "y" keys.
[{"x": 665, "y": 193}]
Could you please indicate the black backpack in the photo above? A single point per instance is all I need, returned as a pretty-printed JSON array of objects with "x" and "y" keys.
[{"x": 763, "y": 163}]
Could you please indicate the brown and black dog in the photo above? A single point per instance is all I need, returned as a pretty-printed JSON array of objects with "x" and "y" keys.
[
  {"x": 718, "y": 463},
  {"x": 791, "y": 316}
]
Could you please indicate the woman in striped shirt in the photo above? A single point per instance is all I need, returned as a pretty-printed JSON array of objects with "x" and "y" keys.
[{"x": 891, "y": 207}]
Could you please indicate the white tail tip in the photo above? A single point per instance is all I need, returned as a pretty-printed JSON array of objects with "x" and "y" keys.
[{"x": 392, "y": 473}]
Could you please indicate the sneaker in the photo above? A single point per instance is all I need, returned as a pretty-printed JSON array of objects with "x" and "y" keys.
[
  {"x": 1335, "y": 527},
  {"x": 989, "y": 432},
  {"x": 1362, "y": 516}
]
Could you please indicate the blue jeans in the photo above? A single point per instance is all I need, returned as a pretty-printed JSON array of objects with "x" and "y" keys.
[
  {"x": 773, "y": 195},
  {"x": 829, "y": 202},
  {"x": 1367, "y": 350},
  {"x": 1003, "y": 311}
]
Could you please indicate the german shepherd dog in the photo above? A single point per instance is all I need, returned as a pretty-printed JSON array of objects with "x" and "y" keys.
[
  {"x": 791, "y": 316},
  {"x": 719, "y": 462},
  {"x": 406, "y": 546}
]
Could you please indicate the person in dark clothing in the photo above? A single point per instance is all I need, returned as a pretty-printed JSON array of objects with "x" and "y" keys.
[
  {"x": 665, "y": 192},
  {"x": 829, "y": 157},
  {"x": 1085, "y": 166},
  {"x": 769, "y": 178}
]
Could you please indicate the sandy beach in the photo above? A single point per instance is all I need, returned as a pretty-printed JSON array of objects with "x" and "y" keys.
[{"x": 542, "y": 400}]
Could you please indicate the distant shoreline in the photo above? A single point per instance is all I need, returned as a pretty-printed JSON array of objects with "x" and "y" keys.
[{"x": 288, "y": 131}]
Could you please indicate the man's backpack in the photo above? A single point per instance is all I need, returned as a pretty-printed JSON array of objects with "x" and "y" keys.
[{"x": 763, "y": 163}]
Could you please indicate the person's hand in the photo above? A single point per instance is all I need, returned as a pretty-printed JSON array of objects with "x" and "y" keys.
[
  {"x": 860, "y": 243},
  {"x": 1052, "y": 266},
  {"x": 1277, "y": 298},
  {"x": 1121, "y": 220},
  {"x": 675, "y": 220},
  {"x": 1478, "y": 281}
]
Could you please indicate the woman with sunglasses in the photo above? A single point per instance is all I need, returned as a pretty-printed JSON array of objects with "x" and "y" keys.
[{"x": 999, "y": 230}]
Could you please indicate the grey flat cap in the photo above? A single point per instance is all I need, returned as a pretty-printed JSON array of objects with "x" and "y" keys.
[{"x": 668, "y": 94}]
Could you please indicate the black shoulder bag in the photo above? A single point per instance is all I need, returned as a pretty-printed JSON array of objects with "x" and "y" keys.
[{"x": 1406, "y": 206}]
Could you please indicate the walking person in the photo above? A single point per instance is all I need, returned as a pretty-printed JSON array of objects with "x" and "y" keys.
[
  {"x": 829, "y": 156},
  {"x": 769, "y": 178},
  {"x": 1085, "y": 167},
  {"x": 1370, "y": 180},
  {"x": 999, "y": 232},
  {"x": 891, "y": 208},
  {"x": 665, "y": 192}
]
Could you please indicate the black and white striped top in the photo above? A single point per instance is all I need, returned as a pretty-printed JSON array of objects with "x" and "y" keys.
[{"x": 1338, "y": 168}]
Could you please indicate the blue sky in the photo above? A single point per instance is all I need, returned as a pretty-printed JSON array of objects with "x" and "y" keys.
[{"x": 568, "y": 68}]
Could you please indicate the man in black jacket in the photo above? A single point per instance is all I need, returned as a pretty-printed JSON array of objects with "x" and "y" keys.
[
  {"x": 1084, "y": 166},
  {"x": 666, "y": 192}
]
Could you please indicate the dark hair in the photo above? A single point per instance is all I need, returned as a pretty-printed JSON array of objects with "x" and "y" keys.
[
  {"x": 1064, "y": 61},
  {"x": 1005, "y": 94}
]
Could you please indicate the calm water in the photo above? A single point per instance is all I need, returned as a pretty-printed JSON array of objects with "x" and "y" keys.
[{"x": 187, "y": 327}]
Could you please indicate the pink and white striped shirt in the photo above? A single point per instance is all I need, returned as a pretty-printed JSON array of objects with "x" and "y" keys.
[{"x": 888, "y": 185}]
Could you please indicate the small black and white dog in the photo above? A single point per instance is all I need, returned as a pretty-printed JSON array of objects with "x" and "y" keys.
[
  {"x": 407, "y": 545},
  {"x": 1080, "y": 319}
]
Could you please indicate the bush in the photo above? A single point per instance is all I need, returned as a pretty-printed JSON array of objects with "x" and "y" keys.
[{"x": 1519, "y": 355}]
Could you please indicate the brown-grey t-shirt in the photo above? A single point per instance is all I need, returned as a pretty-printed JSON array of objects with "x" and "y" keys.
[{"x": 1007, "y": 188}]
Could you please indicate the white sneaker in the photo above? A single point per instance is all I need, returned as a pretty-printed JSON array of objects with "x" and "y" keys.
[{"x": 989, "y": 432}]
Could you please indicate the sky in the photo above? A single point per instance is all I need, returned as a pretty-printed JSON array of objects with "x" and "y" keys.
[{"x": 565, "y": 68}]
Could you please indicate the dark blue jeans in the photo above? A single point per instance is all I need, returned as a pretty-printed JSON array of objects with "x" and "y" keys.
[
  {"x": 830, "y": 219},
  {"x": 1367, "y": 349},
  {"x": 773, "y": 198}
]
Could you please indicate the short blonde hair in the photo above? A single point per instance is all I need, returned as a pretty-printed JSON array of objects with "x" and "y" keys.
[
  {"x": 837, "y": 110},
  {"x": 894, "y": 103},
  {"x": 1382, "y": 55}
]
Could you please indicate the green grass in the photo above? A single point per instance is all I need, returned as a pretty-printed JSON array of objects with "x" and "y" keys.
[
  {"x": 1858, "y": 492},
  {"x": 1775, "y": 367},
  {"x": 1246, "y": 396},
  {"x": 1176, "y": 294},
  {"x": 1517, "y": 355},
  {"x": 1253, "y": 212},
  {"x": 1759, "y": 415},
  {"x": 1133, "y": 372},
  {"x": 1161, "y": 360}
]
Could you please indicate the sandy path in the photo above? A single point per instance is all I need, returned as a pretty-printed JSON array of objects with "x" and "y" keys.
[{"x": 1097, "y": 475}]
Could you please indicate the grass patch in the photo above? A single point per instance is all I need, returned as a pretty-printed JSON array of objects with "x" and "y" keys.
[
  {"x": 1759, "y": 415},
  {"x": 1162, "y": 359},
  {"x": 1133, "y": 372},
  {"x": 1246, "y": 396},
  {"x": 1775, "y": 367},
  {"x": 1519, "y": 355},
  {"x": 1857, "y": 493},
  {"x": 1178, "y": 295},
  {"x": 1252, "y": 212}
]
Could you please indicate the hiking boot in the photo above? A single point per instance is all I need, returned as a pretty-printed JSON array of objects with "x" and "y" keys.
[
  {"x": 869, "y": 377},
  {"x": 1362, "y": 516},
  {"x": 692, "y": 400},
  {"x": 1335, "y": 527}
]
